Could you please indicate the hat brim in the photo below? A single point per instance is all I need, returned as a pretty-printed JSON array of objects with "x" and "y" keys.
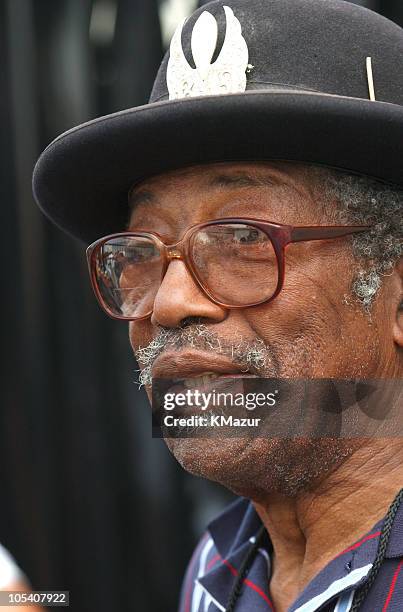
[{"x": 82, "y": 179}]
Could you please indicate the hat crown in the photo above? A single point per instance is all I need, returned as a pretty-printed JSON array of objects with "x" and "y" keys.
[
  {"x": 309, "y": 45},
  {"x": 308, "y": 99}
]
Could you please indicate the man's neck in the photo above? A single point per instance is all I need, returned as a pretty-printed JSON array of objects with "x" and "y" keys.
[{"x": 309, "y": 530}]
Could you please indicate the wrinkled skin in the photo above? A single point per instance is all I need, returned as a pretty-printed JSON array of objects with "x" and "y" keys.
[{"x": 314, "y": 328}]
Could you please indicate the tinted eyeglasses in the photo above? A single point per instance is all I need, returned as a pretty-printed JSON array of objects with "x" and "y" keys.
[{"x": 236, "y": 262}]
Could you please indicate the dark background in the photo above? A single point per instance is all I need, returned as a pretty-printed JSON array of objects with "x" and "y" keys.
[{"x": 89, "y": 501}]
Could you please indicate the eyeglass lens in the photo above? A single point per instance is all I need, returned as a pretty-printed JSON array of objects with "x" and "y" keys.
[{"x": 236, "y": 263}]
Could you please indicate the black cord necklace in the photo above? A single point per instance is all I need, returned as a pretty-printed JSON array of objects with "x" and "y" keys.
[
  {"x": 384, "y": 538},
  {"x": 243, "y": 570},
  {"x": 360, "y": 593}
]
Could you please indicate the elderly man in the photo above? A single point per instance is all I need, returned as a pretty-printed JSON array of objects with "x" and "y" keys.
[{"x": 248, "y": 223}]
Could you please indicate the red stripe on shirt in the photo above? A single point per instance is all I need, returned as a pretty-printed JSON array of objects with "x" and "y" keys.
[
  {"x": 392, "y": 586},
  {"x": 213, "y": 561},
  {"x": 249, "y": 583},
  {"x": 357, "y": 544}
]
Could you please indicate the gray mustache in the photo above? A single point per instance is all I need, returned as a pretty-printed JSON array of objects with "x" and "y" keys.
[{"x": 255, "y": 356}]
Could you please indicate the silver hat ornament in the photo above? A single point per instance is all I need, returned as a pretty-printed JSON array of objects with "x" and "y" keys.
[{"x": 226, "y": 75}]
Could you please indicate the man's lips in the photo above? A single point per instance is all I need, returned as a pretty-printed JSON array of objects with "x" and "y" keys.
[
  {"x": 187, "y": 370},
  {"x": 191, "y": 364}
]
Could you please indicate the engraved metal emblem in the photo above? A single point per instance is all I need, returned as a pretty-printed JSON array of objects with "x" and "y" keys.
[{"x": 226, "y": 75}]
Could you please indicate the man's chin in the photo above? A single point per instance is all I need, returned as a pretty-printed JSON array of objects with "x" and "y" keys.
[
  {"x": 256, "y": 467},
  {"x": 216, "y": 459}
]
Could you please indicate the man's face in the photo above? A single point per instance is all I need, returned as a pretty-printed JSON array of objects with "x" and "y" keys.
[{"x": 313, "y": 329}]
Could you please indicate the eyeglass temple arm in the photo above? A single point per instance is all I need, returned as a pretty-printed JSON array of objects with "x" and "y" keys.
[{"x": 299, "y": 234}]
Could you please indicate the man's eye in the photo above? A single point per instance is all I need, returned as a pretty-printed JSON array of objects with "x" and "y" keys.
[
  {"x": 246, "y": 235},
  {"x": 133, "y": 255},
  {"x": 236, "y": 236},
  {"x": 137, "y": 255}
]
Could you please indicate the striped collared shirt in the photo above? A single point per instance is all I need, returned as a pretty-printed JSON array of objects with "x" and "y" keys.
[{"x": 214, "y": 566}]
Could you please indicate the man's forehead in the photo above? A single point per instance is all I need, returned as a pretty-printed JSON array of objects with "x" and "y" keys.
[
  {"x": 219, "y": 176},
  {"x": 280, "y": 190}
]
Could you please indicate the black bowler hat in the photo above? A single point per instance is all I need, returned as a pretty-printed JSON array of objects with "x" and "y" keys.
[{"x": 316, "y": 81}]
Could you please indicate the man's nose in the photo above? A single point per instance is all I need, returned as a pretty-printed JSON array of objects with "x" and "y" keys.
[{"x": 179, "y": 297}]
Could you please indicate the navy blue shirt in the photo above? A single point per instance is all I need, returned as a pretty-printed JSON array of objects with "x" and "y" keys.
[{"x": 214, "y": 566}]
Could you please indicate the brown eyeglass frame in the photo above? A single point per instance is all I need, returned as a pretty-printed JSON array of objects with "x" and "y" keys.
[{"x": 279, "y": 235}]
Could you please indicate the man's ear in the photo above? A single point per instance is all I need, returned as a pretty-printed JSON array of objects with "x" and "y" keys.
[{"x": 398, "y": 325}]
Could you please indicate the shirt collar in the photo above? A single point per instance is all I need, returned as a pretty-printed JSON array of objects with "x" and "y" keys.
[
  {"x": 395, "y": 546},
  {"x": 232, "y": 532},
  {"x": 234, "y": 527}
]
